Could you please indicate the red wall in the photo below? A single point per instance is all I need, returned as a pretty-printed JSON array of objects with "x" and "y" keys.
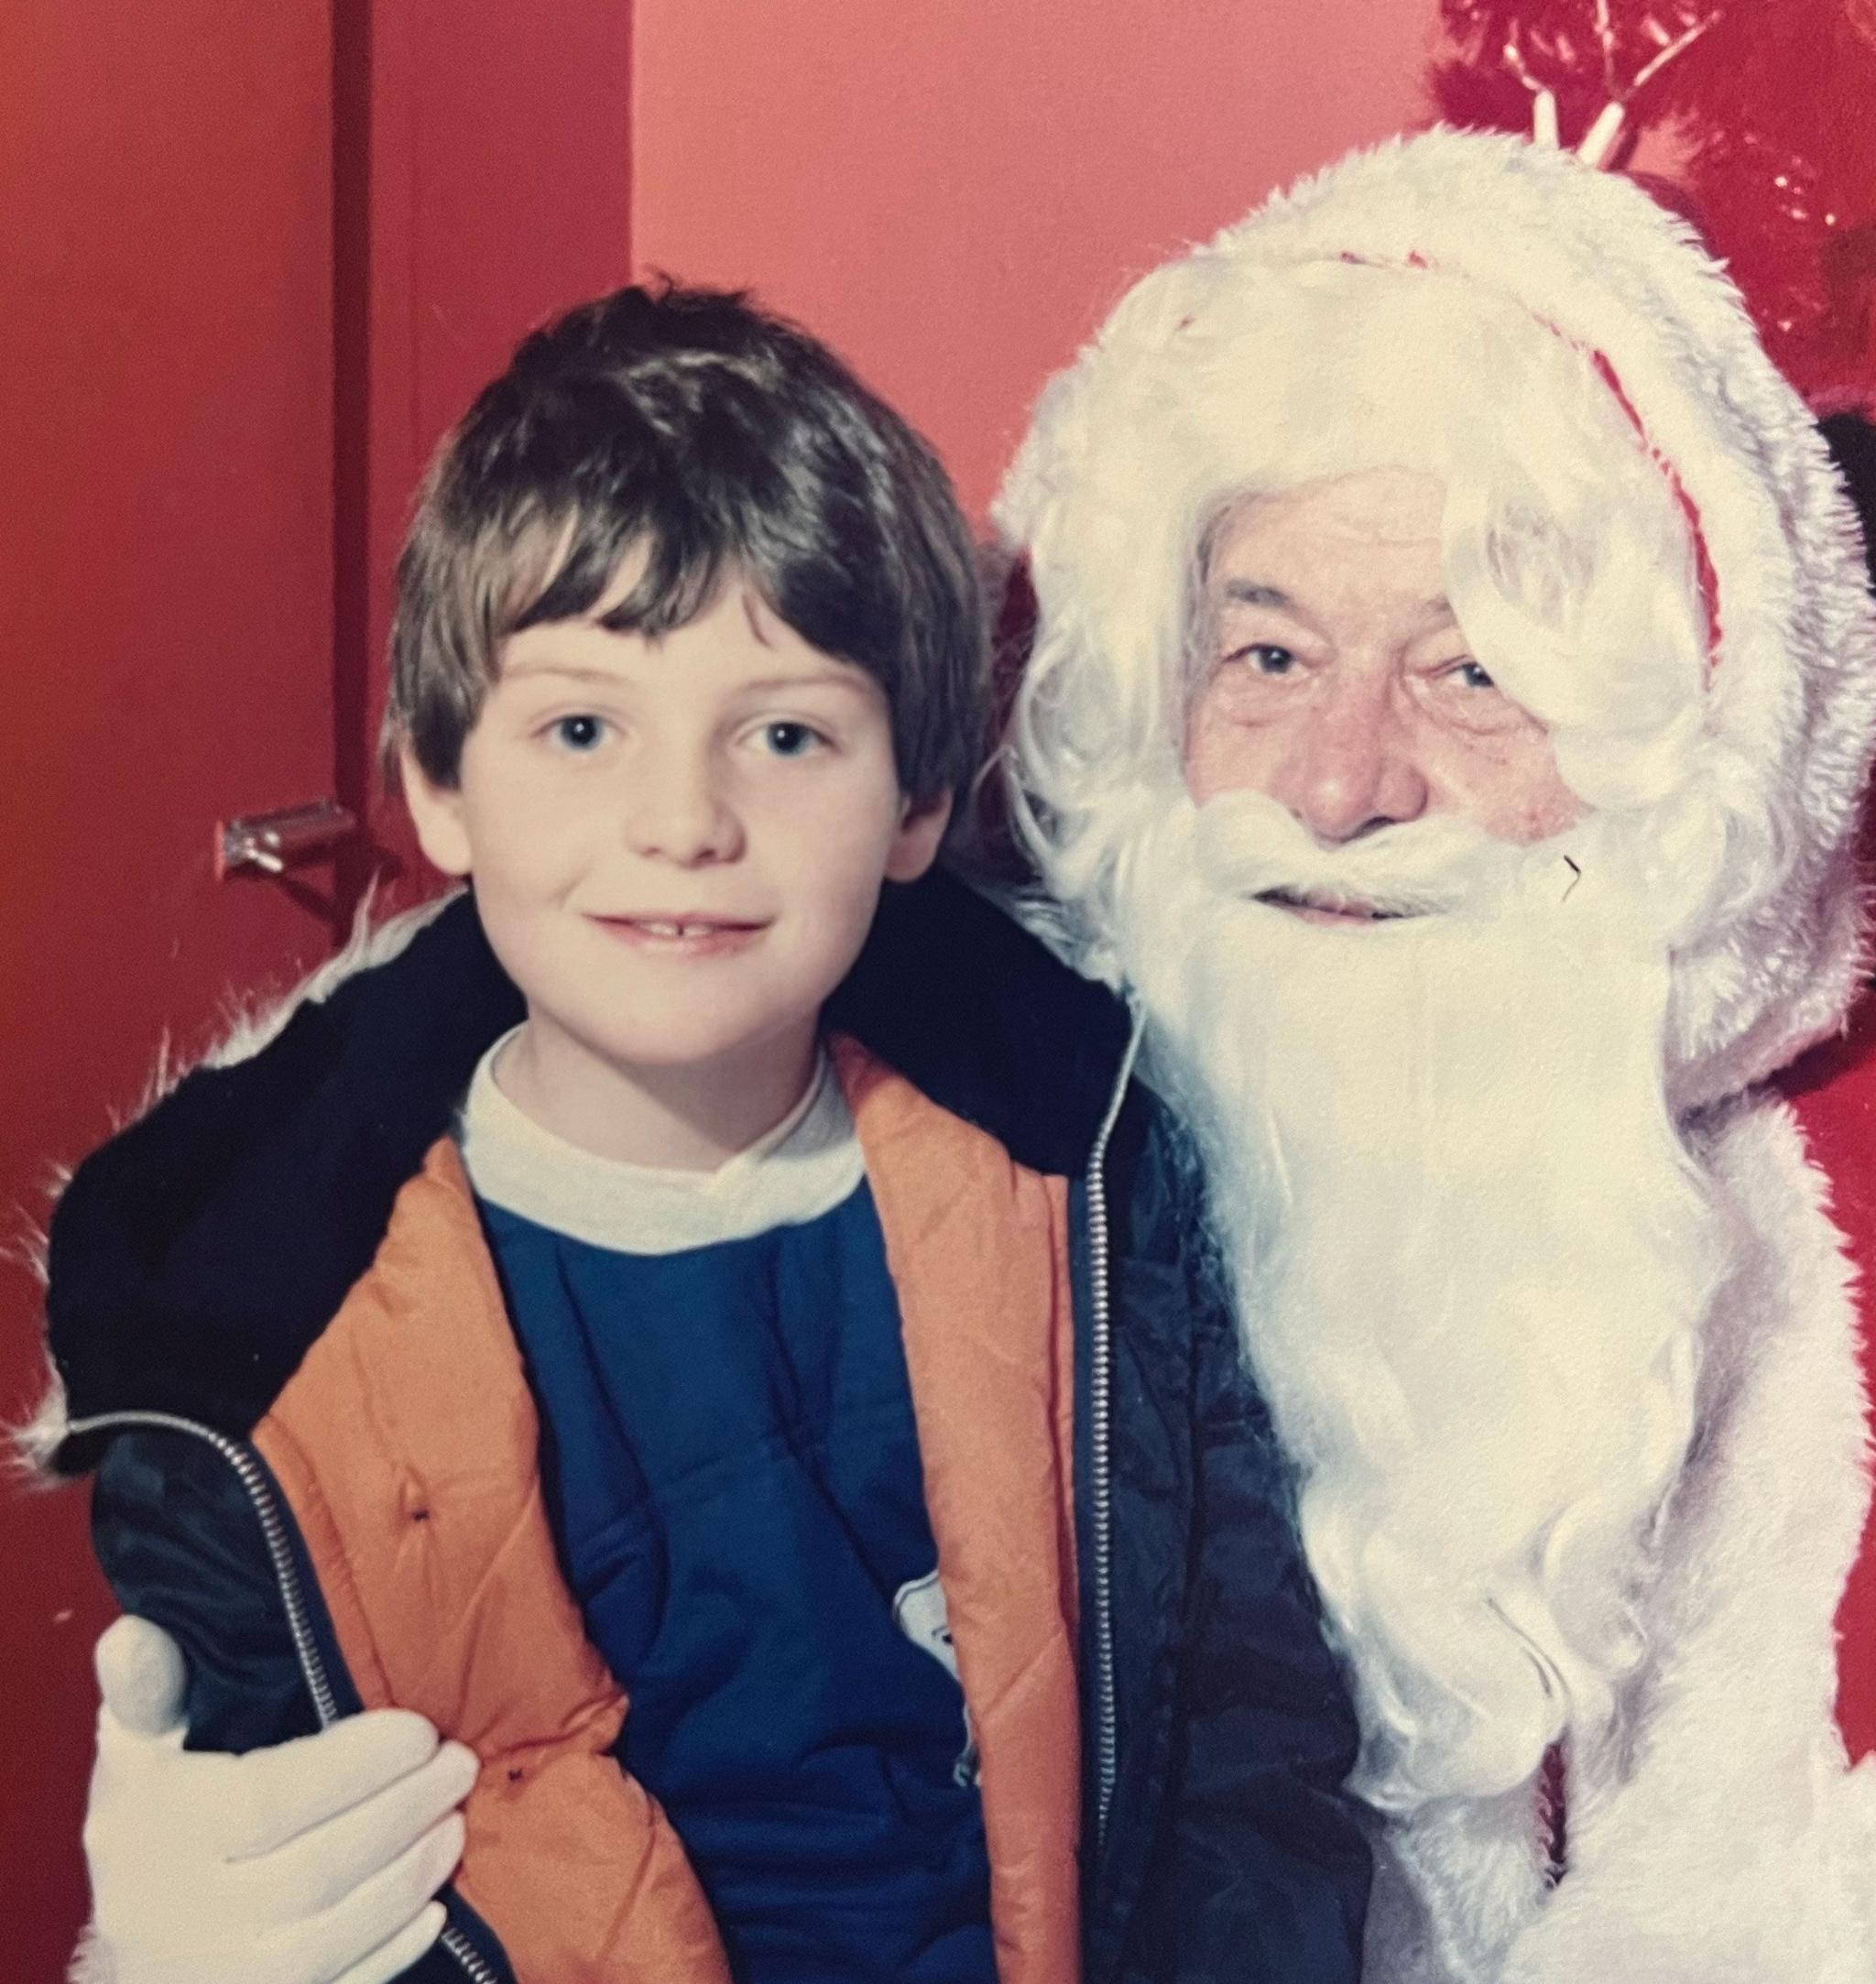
[{"x": 951, "y": 192}]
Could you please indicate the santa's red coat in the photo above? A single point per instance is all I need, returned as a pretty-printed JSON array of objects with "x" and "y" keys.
[{"x": 1834, "y": 1091}]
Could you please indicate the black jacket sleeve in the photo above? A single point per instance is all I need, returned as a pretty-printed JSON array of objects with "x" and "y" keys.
[
  {"x": 1269, "y": 1869},
  {"x": 1264, "y": 1870},
  {"x": 181, "y": 1539}
]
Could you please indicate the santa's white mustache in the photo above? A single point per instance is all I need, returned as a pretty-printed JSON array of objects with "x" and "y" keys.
[{"x": 1247, "y": 846}]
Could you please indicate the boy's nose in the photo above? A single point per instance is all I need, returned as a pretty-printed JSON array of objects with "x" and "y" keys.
[{"x": 676, "y": 814}]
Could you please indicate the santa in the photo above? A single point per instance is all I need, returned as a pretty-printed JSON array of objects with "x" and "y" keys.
[{"x": 1453, "y": 692}]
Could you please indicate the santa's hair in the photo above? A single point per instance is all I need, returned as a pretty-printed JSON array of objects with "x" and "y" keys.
[{"x": 1568, "y": 559}]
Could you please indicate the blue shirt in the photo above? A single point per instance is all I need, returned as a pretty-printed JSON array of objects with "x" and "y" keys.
[{"x": 732, "y": 1467}]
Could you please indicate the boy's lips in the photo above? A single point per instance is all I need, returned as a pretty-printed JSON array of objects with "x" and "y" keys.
[{"x": 682, "y": 934}]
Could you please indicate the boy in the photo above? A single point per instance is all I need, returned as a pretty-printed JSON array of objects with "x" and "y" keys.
[{"x": 796, "y": 1336}]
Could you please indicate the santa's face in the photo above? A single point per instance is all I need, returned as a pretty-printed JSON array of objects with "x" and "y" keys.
[{"x": 1333, "y": 677}]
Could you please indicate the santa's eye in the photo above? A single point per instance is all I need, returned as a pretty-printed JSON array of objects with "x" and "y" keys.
[{"x": 1264, "y": 658}]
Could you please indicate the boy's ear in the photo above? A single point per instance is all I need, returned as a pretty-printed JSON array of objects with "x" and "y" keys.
[
  {"x": 915, "y": 846},
  {"x": 437, "y": 813}
]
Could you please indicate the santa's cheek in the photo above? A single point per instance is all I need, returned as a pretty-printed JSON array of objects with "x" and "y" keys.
[
  {"x": 1507, "y": 785},
  {"x": 1222, "y": 756},
  {"x": 1540, "y": 804}
]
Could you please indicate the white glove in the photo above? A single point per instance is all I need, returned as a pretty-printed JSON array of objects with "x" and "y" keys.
[{"x": 313, "y": 1862}]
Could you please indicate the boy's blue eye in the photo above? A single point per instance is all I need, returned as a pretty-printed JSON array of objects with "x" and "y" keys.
[
  {"x": 580, "y": 733},
  {"x": 789, "y": 740}
]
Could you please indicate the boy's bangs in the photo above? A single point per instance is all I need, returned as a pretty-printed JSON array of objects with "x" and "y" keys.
[{"x": 680, "y": 567}]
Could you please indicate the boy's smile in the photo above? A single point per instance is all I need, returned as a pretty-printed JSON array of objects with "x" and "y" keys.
[
  {"x": 681, "y": 936},
  {"x": 677, "y": 846}
]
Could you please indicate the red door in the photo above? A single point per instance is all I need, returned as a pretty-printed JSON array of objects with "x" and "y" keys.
[{"x": 254, "y": 259}]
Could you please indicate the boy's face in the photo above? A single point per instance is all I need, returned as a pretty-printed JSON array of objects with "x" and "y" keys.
[{"x": 677, "y": 846}]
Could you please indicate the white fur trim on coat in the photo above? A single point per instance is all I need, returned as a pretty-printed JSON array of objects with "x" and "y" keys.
[
  {"x": 34, "y": 1441},
  {"x": 1721, "y": 1840}
]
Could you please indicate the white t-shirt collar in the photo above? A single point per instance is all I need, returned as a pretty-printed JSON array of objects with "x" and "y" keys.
[{"x": 809, "y": 1163}]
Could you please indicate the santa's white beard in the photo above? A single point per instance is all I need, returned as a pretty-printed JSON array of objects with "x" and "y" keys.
[{"x": 1468, "y": 1249}]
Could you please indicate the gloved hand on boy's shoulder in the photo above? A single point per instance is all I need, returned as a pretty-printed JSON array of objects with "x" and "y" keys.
[{"x": 311, "y": 1862}]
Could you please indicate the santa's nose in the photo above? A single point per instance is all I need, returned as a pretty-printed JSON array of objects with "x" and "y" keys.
[{"x": 1351, "y": 767}]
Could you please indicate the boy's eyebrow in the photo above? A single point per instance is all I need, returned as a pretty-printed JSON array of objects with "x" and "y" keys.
[
  {"x": 849, "y": 681},
  {"x": 854, "y": 681},
  {"x": 570, "y": 670}
]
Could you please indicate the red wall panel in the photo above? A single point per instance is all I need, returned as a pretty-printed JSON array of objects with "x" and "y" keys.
[
  {"x": 258, "y": 258},
  {"x": 953, "y": 191}
]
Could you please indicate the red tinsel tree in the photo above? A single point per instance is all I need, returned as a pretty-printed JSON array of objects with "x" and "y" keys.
[{"x": 1760, "y": 112}]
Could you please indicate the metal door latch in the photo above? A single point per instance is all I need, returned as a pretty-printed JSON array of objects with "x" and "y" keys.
[{"x": 273, "y": 842}]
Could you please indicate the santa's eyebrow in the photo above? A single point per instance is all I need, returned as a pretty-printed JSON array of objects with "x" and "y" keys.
[{"x": 1253, "y": 593}]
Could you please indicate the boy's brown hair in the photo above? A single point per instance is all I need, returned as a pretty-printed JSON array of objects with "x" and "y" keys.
[{"x": 712, "y": 439}]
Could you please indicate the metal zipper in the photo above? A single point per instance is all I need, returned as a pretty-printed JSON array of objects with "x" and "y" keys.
[
  {"x": 253, "y": 1478},
  {"x": 464, "y": 1952},
  {"x": 1100, "y": 1453},
  {"x": 272, "y": 1527}
]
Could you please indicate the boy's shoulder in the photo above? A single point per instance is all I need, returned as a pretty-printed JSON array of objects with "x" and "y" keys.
[
  {"x": 194, "y": 1257},
  {"x": 988, "y": 1019}
]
